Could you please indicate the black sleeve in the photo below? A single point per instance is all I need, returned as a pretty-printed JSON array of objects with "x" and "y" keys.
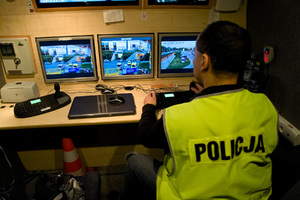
[{"x": 151, "y": 131}]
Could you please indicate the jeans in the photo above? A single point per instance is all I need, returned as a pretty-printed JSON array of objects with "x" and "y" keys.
[{"x": 140, "y": 178}]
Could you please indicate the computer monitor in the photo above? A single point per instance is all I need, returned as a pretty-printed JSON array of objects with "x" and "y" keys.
[
  {"x": 176, "y": 54},
  {"x": 85, "y": 3},
  {"x": 67, "y": 59},
  {"x": 126, "y": 56},
  {"x": 178, "y": 2}
]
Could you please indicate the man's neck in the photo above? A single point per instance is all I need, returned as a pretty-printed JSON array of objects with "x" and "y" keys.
[{"x": 221, "y": 79}]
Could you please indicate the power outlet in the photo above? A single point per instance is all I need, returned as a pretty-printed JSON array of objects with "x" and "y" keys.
[{"x": 290, "y": 132}]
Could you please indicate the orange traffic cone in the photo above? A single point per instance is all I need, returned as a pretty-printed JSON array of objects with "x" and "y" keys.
[{"x": 72, "y": 162}]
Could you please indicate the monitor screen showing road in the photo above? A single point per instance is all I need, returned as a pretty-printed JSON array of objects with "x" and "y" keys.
[
  {"x": 176, "y": 54},
  {"x": 126, "y": 56},
  {"x": 178, "y": 2},
  {"x": 67, "y": 58}
]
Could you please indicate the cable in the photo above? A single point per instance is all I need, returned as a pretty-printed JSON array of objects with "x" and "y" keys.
[
  {"x": 116, "y": 88},
  {"x": 76, "y": 92},
  {"x": 13, "y": 176},
  {"x": 139, "y": 87}
]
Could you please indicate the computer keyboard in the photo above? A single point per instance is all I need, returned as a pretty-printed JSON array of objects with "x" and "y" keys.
[{"x": 167, "y": 99}]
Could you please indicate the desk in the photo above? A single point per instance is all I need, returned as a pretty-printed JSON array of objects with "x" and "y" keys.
[
  {"x": 59, "y": 118},
  {"x": 101, "y": 141}
]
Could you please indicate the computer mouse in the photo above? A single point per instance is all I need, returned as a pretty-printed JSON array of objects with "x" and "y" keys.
[
  {"x": 100, "y": 87},
  {"x": 116, "y": 100},
  {"x": 108, "y": 91}
]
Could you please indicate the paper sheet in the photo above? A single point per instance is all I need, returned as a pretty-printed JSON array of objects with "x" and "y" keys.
[{"x": 112, "y": 16}]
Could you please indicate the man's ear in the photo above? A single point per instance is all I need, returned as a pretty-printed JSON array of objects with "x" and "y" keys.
[{"x": 205, "y": 62}]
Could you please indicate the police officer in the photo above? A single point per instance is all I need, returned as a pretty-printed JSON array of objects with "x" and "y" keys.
[{"x": 217, "y": 145}]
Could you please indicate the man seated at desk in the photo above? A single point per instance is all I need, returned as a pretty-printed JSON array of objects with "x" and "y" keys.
[{"x": 217, "y": 145}]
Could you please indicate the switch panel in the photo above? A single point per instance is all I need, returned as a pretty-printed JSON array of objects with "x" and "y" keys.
[
  {"x": 16, "y": 56},
  {"x": 7, "y": 49}
]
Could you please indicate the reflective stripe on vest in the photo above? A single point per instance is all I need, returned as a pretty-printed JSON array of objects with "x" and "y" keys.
[{"x": 219, "y": 147}]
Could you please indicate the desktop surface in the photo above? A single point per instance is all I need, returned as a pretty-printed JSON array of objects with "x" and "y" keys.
[{"x": 59, "y": 117}]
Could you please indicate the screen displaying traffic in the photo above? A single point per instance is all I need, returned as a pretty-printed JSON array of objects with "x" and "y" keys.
[
  {"x": 78, "y": 1},
  {"x": 123, "y": 56},
  {"x": 177, "y": 54},
  {"x": 67, "y": 59}
]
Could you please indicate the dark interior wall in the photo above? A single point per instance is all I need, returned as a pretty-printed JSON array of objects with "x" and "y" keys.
[{"x": 276, "y": 23}]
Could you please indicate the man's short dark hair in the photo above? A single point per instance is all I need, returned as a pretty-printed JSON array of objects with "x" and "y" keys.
[{"x": 227, "y": 44}]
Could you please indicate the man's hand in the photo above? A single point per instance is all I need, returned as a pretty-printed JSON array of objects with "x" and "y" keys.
[
  {"x": 150, "y": 99},
  {"x": 198, "y": 89}
]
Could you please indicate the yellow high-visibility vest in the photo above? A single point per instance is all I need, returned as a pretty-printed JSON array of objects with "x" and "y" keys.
[{"x": 219, "y": 147}]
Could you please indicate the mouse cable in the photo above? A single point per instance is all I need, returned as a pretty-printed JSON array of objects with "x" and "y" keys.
[
  {"x": 117, "y": 87},
  {"x": 128, "y": 88},
  {"x": 147, "y": 91},
  {"x": 139, "y": 87}
]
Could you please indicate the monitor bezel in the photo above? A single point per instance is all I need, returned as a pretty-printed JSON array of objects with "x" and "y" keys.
[
  {"x": 66, "y": 38},
  {"x": 126, "y": 77},
  {"x": 171, "y": 75}
]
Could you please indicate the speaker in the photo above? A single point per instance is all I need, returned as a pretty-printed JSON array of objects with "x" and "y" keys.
[{"x": 228, "y": 5}]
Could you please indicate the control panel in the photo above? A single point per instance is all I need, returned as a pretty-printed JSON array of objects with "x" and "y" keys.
[
  {"x": 16, "y": 55},
  {"x": 42, "y": 104}
]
